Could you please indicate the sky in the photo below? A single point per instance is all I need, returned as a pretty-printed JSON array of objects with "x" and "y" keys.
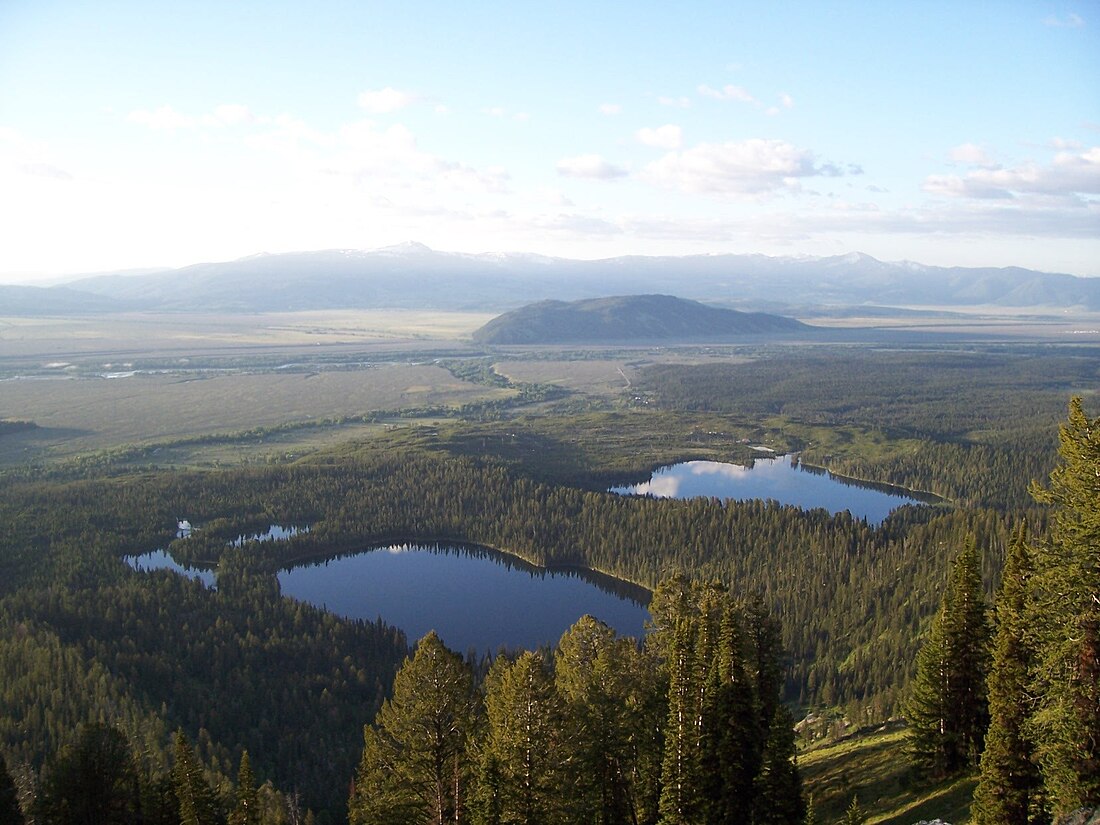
[{"x": 159, "y": 134}]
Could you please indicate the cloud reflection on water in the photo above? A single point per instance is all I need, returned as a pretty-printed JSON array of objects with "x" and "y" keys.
[{"x": 780, "y": 479}]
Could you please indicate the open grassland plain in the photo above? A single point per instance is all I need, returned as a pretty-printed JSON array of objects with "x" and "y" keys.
[
  {"x": 79, "y": 415},
  {"x": 168, "y": 332},
  {"x": 1052, "y": 324},
  {"x": 873, "y": 768}
]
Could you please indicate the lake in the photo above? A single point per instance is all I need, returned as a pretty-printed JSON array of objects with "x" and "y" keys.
[
  {"x": 473, "y": 598},
  {"x": 781, "y": 479}
]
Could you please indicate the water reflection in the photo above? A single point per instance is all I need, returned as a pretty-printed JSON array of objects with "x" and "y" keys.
[
  {"x": 780, "y": 479},
  {"x": 160, "y": 560},
  {"x": 472, "y": 597}
]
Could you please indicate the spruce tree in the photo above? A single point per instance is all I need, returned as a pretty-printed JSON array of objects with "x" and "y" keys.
[
  {"x": 523, "y": 748},
  {"x": 197, "y": 803},
  {"x": 680, "y": 783},
  {"x": 609, "y": 688},
  {"x": 947, "y": 709},
  {"x": 854, "y": 815},
  {"x": 93, "y": 779},
  {"x": 416, "y": 765},
  {"x": 732, "y": 750},
  {"x": 1066, "y": 614},
  {"x": 778, "y": 785},
  {"x": 1008, "y": 791},
  {"x": 247, "y": 809}
]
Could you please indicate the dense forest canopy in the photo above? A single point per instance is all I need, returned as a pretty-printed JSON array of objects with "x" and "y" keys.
[{"x": 240, "y": 670}]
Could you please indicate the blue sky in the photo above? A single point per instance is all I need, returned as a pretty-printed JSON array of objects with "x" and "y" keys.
[{"x": 138, "y": 134}]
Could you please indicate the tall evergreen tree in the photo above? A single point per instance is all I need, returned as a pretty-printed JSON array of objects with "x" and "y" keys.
[
  {"x": 731, "y": 753},
  {"x": 197, "y": 802},
  {"x": 416, "y": 765},
  {"x": 854, "y": 815},
  {"x": 614, "y": 701},
  {"x": 1066, "y": 612},
  {"x": 778, "y": 785},
  {"x": 947, "y": 709},
  {"x": 680, "y": 781},
  {"x": 525, "y": 724},
  {"x": 1009, "y": 788},
  {"x": 247, "y": 809},
  {"x": 92, "y": 781}
]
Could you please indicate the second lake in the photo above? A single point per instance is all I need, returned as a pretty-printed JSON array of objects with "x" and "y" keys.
[{"x": 780, "y": 479}]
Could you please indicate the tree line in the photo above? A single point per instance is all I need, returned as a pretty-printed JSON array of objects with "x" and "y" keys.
[
  {"x": 687, "y": 727},
  {"x": 977, "y": 425},
  {"x": 1016, "y": 695}
]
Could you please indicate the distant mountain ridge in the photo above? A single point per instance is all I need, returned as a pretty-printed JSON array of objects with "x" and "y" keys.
[
  {"x": 628, "y": 318},
  {"x": 416, "y": 277}
]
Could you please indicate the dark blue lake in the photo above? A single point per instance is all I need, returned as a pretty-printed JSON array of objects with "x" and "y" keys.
[
  {"x": 473, "y": 598},
  {"x": 781, "y": 479}
]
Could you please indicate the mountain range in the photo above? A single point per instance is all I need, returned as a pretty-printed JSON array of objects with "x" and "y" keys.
[{"x": 413, "y": 276}]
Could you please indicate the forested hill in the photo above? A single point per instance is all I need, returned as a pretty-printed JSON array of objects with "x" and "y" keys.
[{"x": 639, "y": 318}]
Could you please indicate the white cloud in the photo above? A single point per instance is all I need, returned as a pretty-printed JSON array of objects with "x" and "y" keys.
[
  {"x": 727, "y": 92},
  {"x": 589, "y": 166},
  {"x": 369, "y": 156},
  {"x": 1070, "y": 21},
  {"x": 675, "y": 102},
  {"x": 971, "y": 154},
  {"x": 1069, "y": 175},
  {"x": 382, "y": 101},
  {"x": 611, "y": 109},
  {"x": 232, "y": 113},
  {"x": 164, "y": 118},
  {"x": 749, "y": 167},
  {"x": 786, "y": 101},
  {"x": 668, "y": 136}
]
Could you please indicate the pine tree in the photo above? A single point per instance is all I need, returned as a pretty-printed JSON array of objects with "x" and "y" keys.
[
  {"x": 1009, "y": 786},
  {"x": 1066, "y": 613},
  {"x": 947, "y": 710},
  {"x": 523, "y": 749},
  {"x": 416, "y": 766},
  {"x": 197, "y": 804},
  {"x": 732, "y": 750},
  {"x": 854, "y": 815},
  {"x": 680, "y": 783},
  {"x": 247, "y": 809},
  {"x": 778, "y": 786},
  {"x": 614, "y": 701},
  {"x": 92, "y": 780}
]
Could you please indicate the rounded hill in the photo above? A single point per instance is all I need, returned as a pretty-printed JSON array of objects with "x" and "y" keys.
[{"x": 639, "y": 318}]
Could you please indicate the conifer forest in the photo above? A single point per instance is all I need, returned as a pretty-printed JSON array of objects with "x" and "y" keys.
[{"x": 969, "y": 619}]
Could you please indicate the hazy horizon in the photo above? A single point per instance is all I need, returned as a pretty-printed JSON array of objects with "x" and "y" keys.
[
  {"x": 66, "y": 279},
  {"x": 136, "y": 136}
]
